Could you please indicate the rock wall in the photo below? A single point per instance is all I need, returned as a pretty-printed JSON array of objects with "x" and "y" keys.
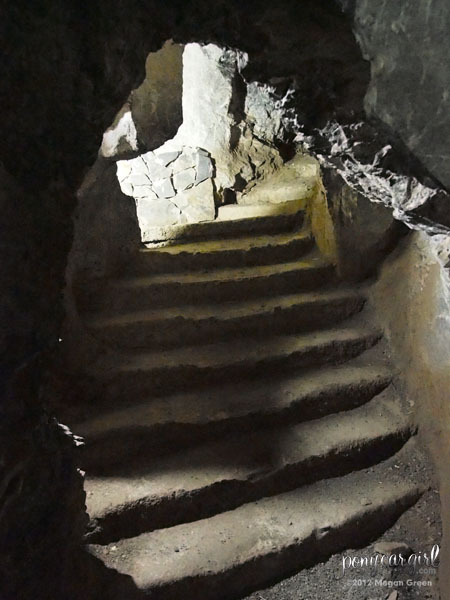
[
  {"x": 364, "y": 231},
  {"x": 220, "y": 114},
  {"x": 66, "y": 70},
  {"x": 227, "y": 142},
  {"x": 408, "y": 46},
  {"x": 398, "y": 152},
  {"x": 412, "y": 298},
  {"x": 106, "y": 231},
  {"x": 153, "y": 111},
  {"x": 171, "y": 188}
]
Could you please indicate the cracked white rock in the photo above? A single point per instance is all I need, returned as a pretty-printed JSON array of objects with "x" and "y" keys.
[
  {"x": 184, "y": 161},
  {"x": 121, "y": 137},
  {"x": 203, "y": 167},
  {"x": 154, "y": 169},
  {"x": 144, "y": 191},
  {"x": 156, "y": 213},
  {"x": 197, "y": 204},
  {"x": 184, "y": 179},
  {"x": 164, "y": 188},
  {"x": 138, "y": 179},
  {"x": 165, "y": 158}
]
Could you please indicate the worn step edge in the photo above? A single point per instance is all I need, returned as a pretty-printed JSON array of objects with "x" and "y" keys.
[
  {"x": 238, "y": 551},
  {"x": 199, "y": 323},
  {"x": 216, "y": 284},
  {"x": 219, "y": 245},
  {"x": 288, "y": 216},
  {"x": 191, "y": 418},
  {"x": 236, "y": 252},
  {"x": 311, "y": 261},
  {"x": 243, "y": 352},
  {"x": 195, "y": 367},
  {"x": 222, "y": 475}
]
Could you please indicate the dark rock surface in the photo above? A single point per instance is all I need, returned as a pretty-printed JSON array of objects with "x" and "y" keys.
[
  {"x": 382, "y": 170},
  {"x": 408, "y": 46},
  {"x": 365, "y": 231}
]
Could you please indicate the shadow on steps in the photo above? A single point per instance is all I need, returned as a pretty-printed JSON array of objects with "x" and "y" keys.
[{"x": 98, "y": 582}]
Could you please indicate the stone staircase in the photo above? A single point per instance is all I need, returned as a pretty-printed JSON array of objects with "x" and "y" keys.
[{"x": 244, "y": 422}]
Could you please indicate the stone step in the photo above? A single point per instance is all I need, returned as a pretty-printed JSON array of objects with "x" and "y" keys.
[
  {"x": 229, "y": 252},
  {"x": 236, "y": 552},
  {"x": 184, "y": 419},
  {"x": 237, "y": 212},
  {"x": 161, "y": 372},
  {"x": 167, "y": 327},
  {"x": 224, "y": 474},
  {"x": 235, "y": 220},
  {"x": 215, "y": 285}
]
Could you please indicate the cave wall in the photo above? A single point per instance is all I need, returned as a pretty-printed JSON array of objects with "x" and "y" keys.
[
  {"x": 364, "y": 232},
  {"x": 153, "y": 111},
  {"x": 67, "y": 69},
  {"x": 408, "y": 46},
  {"x": 412, "y": 298}
]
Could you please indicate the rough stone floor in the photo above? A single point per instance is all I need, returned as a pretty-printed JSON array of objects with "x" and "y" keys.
[{"x": 245, "y": 423}]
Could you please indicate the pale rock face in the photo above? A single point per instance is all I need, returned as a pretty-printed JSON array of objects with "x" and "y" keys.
[
  {"x": 265, "y": 117},
  {"x": 121, "y": 137},
  {"x": 235, "y": 122},
  {"x": 170, "y": 188},
  {"x": 226, "y": 141},
  {"x": 185, "y": 179},
  {"x": 154, "y": 213},
  {"x": 164, "y": 188},
  {"x": 153, "y": 111},
  {"x": 197, "y": 203},
  {"x": 139, "y": 179},
  {"x": 143, "y": 191},
  {"x": 155, "y": 171},
  {"x": 298, "y": 180},
  {"x": 165, "y": 158},
  {"x": 203, "y": 167},
  {"x": 208, "y": 73},
  {"x": 184, "y": 161}
]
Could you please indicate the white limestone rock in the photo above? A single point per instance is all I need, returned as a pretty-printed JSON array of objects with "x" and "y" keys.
[
  {"x": 154, "y": 169},
  {"x": 203, "y": 167},
  {"x": 136, "y": 178},
  {"x": 153, "y": 213},
  {"x": 263, "y": 112},
  {"x": 126, "y": 187},
  {"x": 144, "y": 192},
  {"x": 197, "y": 204},
  {"x": 184, "y": 179},
  {"x": 164, "y": 188},
  {"x": 121, "y": 138},
  {"x": 165, "y": 158},
  {"x": 186, "y": 160},
  {"x": 123, "y": 169}
]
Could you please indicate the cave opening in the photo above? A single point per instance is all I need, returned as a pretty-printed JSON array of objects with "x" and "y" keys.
[{"x": 233, "y": 137}]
